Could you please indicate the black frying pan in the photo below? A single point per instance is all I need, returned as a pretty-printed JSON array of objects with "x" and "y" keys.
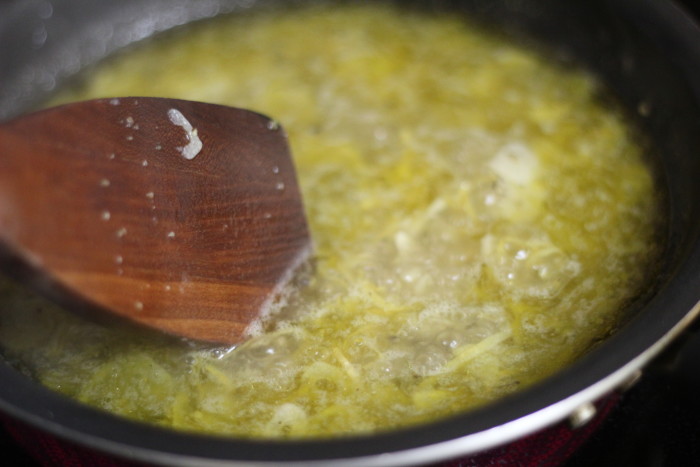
[{"x": 647, "y": 51}]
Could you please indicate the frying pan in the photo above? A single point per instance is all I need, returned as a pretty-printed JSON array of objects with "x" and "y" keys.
[{"x": 648, "y": 54}]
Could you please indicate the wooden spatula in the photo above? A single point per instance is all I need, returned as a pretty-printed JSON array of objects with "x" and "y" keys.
[{"x": 178, "y": 215}]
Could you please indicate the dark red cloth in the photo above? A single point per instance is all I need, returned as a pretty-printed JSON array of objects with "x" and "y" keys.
[
  {"x": 549, "y": 447},
  {"x": 49, "y": 451}
]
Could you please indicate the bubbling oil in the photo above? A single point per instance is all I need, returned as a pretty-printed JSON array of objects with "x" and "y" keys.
[{"x": 480, "y": 219}]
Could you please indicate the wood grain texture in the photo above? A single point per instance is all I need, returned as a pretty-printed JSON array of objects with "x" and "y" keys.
[{"x": 100, "y": 210}]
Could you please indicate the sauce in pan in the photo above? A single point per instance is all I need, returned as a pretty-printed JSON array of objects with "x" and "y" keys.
[{"x": 480, "y": 219}]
